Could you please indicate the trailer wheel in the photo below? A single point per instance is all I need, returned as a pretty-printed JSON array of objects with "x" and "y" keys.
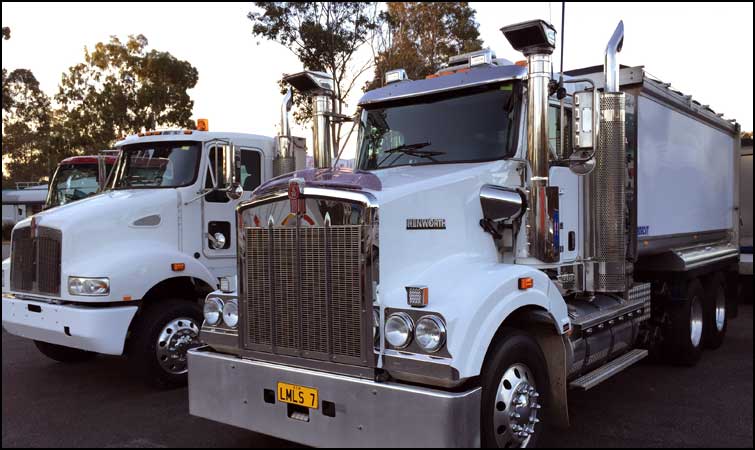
[
  {"x": 160, "y": 339},
  {"x": 63, "y": 354},
  {"x": 683, "y": 340},
  {"x": 515, "y": 387},
  {"x": 716, "y": 311}
]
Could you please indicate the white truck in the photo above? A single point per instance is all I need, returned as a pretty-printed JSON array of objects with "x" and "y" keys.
[
  {"x": 503, "y": 239},
  {"x": 127, "y": 270}
]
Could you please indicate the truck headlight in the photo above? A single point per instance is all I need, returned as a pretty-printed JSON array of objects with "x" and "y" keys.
[
  {"x": 231, "y": 313},
  {"x": 398, "y": 330},
  {"x": 430, "y": 333},
  {"x": 88, "y": 286},
  {"x": 213, "y": 310}
]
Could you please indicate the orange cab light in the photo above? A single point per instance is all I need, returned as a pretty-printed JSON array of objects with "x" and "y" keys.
[
  {"x": 526, "y": 283},
  {"x": 178, "y": 267},
  {"x": 522, "y": 63},
  {"x": 203, "y": 125},
  {"x": 126, "y": 298}
]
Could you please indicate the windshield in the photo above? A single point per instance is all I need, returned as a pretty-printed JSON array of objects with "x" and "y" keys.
[
  {"x": 72, "y": 182},
  {"x": 475, "y": 126},
  {"x": 157, "y": 165}
]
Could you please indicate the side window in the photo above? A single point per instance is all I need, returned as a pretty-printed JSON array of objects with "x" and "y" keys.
[
  {"x": 215, "y": 170},
  {"x": 554, "y": 128},
  {"x": 251, "y": 169}
]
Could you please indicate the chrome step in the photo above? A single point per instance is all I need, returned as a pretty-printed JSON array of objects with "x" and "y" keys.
[{"x": 605, "y": 372}]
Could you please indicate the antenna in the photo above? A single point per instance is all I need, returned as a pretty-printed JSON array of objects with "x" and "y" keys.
[{"x": 563, "y": 19}]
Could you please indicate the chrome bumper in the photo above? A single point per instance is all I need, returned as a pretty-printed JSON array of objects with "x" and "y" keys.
[
  {"x": 231, "y": 390},
  {"x": 95, "y": 329}
]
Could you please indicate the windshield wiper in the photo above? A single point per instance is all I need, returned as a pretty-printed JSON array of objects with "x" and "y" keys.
[{"x": 412, "y": 150}]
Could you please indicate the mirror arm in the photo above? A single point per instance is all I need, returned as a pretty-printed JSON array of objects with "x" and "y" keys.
[{"x": 201, "y": 194}]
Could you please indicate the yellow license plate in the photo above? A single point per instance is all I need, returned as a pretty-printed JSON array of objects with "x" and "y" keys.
[{"x": 298, "y": 395}]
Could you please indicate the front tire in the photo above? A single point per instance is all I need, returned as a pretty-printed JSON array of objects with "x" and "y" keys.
[
  {"x": 683, "y": 340},
  {"x": 716, "y": 314},
  {"x": 63, "y": 354},
  {"x": 160, "y": 339},
  {"x": 515, "y": 386}
]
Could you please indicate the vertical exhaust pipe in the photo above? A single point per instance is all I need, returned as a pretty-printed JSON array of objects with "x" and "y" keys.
[
  {"x": 606, "y": 242},
  {"x": 611, "y": 63},
  {"x": 284, "y": 161}
]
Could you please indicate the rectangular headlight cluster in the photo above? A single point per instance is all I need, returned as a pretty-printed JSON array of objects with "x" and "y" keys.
[{"x": 88, "y": 286}]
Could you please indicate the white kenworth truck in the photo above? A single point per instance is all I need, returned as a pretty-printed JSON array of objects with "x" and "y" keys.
[
  {"x": 126, "y": 271},
  {"x": 503, "y": 239}
]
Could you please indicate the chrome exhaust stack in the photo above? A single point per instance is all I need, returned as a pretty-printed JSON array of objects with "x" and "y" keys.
[
  {"x": 606, "y": 234},
  {"x": 320, "y": 86},
  {"x": 537, "y": 40},
  {"x": 284, "y": 161}
]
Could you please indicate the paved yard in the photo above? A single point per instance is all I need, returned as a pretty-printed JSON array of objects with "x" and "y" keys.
[{"x": 96, "y": 404}]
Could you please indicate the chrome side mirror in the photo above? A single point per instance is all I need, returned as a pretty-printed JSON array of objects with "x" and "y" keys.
[
  {"x": 502, "y": 203},
  {"x": 234, "y": 191}
]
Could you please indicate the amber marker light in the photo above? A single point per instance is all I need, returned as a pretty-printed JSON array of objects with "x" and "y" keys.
[{"x": 526, "y": 283}]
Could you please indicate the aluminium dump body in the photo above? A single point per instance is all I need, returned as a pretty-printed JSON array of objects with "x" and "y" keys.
[{"x": 683, "y": 162}]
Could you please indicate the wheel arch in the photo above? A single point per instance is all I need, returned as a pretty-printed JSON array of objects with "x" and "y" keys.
[{"x": 538, "y": 322}]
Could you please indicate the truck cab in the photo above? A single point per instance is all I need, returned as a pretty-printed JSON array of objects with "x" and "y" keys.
[
  {"x": 78, "y": 177},
  {"x": 498, "y": 245},
  {"x": 125, "y": 272}
]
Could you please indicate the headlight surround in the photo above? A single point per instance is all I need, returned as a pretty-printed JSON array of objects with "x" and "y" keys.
[
  {"x": 231, "y": 313},
  {"x": 88, "y": 286},
  {"x": 213, "y": 310},
  {"x": 430, "y": 333},
  {"x": 399, "y": 329}
]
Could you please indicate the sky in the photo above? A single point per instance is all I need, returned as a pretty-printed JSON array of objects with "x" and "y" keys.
[{"x": 702, "y": 49}]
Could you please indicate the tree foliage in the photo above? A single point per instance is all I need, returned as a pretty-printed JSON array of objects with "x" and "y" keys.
[
  {"x": 26, "y": 125},
  {"x": 324, "y": 36},
  {"x": 420, "y": 36},
  {"x": 122, "y": 88},
  {"x": 119, "y": 88}
]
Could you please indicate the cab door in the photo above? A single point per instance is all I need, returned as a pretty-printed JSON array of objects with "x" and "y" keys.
[{"x": 218, "y": 211}]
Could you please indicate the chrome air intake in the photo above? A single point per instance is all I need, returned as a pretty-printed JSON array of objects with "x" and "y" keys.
[{"x": 537, "y": 40}]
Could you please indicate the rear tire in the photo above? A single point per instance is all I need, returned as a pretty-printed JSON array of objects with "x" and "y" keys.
[
  {"x": 514, "y": 383},
  {"x": 162, "y": 334},
  {"x": 716, "y": 314},
  {"x": 683, "y": 340},
  {"x": 63, "y": 354}
]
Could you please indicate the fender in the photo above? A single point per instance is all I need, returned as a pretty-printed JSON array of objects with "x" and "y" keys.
[
  {"x": 134, "y": 270},
  {"x": 476, "y": 296}
]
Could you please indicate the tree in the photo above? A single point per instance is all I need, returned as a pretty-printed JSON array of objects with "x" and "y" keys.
[
  {"x": 26, "y": 126},
  {"x": 122, "y": 88},
  {"x": 420, "y": 36},
  {"x": 325, "y": 36},
  {"x": 118, "y": 89}
]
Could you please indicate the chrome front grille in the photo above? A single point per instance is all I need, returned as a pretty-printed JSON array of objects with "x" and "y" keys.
[
  {"x": 35, "y": 261},
  {"x": 303, "y": 292}
]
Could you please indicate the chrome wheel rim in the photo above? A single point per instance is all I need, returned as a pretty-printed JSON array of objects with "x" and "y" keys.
[
  {"x": 516, "y": 408},
  {"x": 720, "y": 310},
  {"x": 174, "y": 341},
  {"x": 696, "y": 321}
]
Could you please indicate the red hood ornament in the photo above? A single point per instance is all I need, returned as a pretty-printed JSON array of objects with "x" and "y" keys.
[
  {"x": 33, "y": 227},
  {"x": 295, "y": 188}
]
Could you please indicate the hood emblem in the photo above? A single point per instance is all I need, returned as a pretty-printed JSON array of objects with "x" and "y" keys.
[
  {"x": 425, "y": 224},
  {"x": 33, "y": 227},
  {"x": 295, "y": 188}
]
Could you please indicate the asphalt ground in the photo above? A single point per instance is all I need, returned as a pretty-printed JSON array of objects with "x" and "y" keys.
[{"x": 98, "y": 404}]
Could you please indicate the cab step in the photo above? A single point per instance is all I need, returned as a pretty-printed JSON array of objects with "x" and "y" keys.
[{"x": 605, "y": 372}]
